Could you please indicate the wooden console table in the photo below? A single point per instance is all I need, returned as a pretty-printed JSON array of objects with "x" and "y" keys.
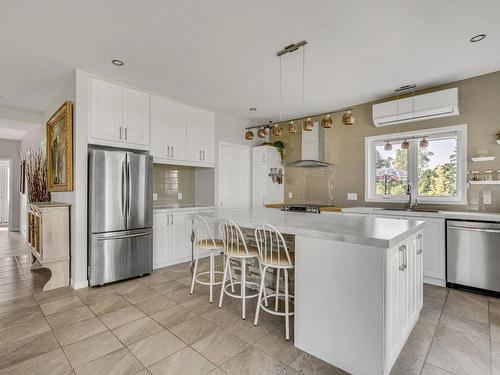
[{"x": 48, "y": 240}]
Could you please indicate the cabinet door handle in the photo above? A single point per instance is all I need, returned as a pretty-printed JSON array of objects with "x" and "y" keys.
[
  {"x": 402, "y": 249},
  {"x": 168, "y": 220},
  {"x": 203, "y": 154},
  {"x": 421, "y": 244},
  {"x": 200, "y": 154},
  {"x": 168, "y": 151},
  {"x": 126, "y": 133},
  {"x": 120, "y": 129},
  {"x": 172, "y": 152},
  {"x": 172, "y": 217}
]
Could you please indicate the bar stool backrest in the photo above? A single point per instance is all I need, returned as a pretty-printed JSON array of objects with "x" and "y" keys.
[
  {"x": 203, "y": 235},
  {"x": 232, "y": 238},
  {"x": 272, "y": 246}
]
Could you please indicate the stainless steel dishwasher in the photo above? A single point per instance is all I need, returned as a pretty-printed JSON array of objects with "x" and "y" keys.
[{"x": 473, "y": 255}]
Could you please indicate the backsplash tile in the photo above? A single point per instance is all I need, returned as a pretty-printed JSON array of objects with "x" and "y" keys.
[{"x": 169, "y": 180}]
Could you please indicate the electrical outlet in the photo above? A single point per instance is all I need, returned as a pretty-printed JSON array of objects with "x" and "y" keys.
[
  {"x": 179, "y": 196},
  {"x": 155, "y": 196},
  {"x": 290, "y": 195},
  {"x": 486, "y": 197},
  {"x": 352, "y": 196}
]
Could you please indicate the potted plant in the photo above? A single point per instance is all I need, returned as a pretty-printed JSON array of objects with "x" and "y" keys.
[{"x": 280, "y": 146}]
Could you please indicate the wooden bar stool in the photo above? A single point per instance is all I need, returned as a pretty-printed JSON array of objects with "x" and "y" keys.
[
  {"x": 236, "y": 248},
  {"x": 273, "y": 253},
  {"x": 204, "y": 240}
]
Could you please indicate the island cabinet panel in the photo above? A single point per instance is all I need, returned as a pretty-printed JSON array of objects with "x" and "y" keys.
[{"x": 366, "y": 301}]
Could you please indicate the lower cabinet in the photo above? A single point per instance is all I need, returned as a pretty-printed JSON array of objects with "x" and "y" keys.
[
  {"x": 404, "y": 294},
  {"x": 171, "y": 238}
]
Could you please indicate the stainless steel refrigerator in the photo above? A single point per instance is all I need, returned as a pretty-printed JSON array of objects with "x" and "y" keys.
[{"x": 120, "y": 215}]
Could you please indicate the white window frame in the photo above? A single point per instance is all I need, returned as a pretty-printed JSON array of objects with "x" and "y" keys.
[{"x": 370, "y": 165}]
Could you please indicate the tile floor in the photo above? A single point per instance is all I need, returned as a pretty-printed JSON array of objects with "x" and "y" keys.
[{"x": 152, "y": 325}]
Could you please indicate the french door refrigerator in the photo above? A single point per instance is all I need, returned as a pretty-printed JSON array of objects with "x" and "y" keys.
[{"x": 120, "y": 215}]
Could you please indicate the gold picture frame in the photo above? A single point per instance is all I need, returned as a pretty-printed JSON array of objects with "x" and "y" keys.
[{"x": 60, "y": 149}]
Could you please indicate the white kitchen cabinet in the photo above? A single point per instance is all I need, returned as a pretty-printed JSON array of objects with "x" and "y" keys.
[
  {"x": 182, "y": 134},
  {"x": 171, "y": 237},
  {"x": 119, "y": 116},
  {"x": 169, "y": 127},
  {"x": 265, "y": 161},
  {"x": 403, "y": 295},
  {"x": 434, "y": 246},
  {"x": 135, "y": 117}
]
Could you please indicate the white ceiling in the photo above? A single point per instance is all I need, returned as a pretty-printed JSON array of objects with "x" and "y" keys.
[
  {"x": 13, "y": 129},
  {"x": 220, "y": 54}
]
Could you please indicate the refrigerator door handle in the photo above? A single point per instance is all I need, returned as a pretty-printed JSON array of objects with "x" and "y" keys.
[
  {"x": 129, "y": 183},
  {"x": 122, "y": 237},
  {"x": 124, "y": 193}
]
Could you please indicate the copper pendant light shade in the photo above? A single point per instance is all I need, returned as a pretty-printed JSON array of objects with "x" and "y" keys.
[
  {"x": 348, "y": 118},
  {"x": 276, "y": 130},
  {"x": 262, "y": 133},
  {"x": 308, "y": 125},
  {"x": 249, "y": 135},
  {"x": 327, "y": 122},
  {"x": 292, "y": 128},
  {"x": 405, "y": 145},
  {"x": 424, "y": 143},
  {"x": 388, "y": 146}
]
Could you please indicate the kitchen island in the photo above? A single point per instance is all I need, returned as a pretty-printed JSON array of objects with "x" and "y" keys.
[{"x": 358, "y": 284}]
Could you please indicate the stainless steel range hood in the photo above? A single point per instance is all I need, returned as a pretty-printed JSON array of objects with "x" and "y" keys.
[{"x": 313, "y": 149}]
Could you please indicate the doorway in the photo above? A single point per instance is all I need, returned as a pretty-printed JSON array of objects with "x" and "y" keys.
[{"x": 4, "y": 192}]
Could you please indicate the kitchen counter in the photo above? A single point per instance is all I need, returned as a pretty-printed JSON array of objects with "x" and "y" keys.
[
  {"x": 461, "y": 215},
  {"x": 380, "y": 232},
  {"x": 357, "y": 285}
]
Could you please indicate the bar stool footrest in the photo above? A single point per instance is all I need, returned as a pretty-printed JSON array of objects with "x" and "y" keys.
[
  {"x": 248, "y": 283},
  {"x": 267, "y": 309},
  {"x": 208, "y": 282}
]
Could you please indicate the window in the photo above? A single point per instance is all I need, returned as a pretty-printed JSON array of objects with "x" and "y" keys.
[{"x": 436, "y": 173}]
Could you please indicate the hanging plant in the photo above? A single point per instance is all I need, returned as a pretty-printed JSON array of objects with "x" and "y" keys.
[
  {"x": 36, "y": 176},
  {"x": 280, "y": 146}
]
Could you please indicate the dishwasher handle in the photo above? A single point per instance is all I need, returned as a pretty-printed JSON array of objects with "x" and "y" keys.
[{"x": 474, "y": 229}]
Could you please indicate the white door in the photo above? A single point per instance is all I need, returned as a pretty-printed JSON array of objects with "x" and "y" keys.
[
  {"x": 234, "y": 176},
  {"x": 159, "y": 240},
  {"x": 136, "y": 117},
  {"x": 4, "y": 191},
  {"x": 106, "y": 111}
]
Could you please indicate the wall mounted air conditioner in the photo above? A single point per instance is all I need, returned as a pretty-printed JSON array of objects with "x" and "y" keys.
[{"x": 426, "y": 106}]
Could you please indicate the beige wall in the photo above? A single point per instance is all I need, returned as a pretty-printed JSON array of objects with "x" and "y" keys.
[{"x": 479, "y": 107}]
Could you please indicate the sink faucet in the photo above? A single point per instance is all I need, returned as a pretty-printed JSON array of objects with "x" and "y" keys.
[{"x": 411, "y": 203}]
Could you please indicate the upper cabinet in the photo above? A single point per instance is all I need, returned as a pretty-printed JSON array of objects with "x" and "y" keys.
[
  {"x": 182, "y": 134},
  {"x": 119, "y": 116}
]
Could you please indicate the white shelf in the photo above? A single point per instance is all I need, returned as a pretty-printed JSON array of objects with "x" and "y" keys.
[
  {"x": 482, "y": 158},
  {"x": 492, "y": 182}
]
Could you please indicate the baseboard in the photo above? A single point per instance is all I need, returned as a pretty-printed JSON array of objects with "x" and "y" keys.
[
  {"x": 173, "y": 262},
  {"x": 80, "y": 284},
  {"x": 434, "y": 281}
]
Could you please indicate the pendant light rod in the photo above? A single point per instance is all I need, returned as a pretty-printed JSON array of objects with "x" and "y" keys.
[
  {"x": 271, "y": 123},
  {"x": 291, "y": 48}
]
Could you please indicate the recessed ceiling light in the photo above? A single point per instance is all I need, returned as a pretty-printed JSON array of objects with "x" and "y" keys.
[
  {"x": 253, "y": 109},
  {"x": 477, "y": 38},
  {"x": 117, "y": 62}
]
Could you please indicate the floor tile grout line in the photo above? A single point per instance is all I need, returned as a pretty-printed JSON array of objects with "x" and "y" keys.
[{"x": 435, "y": 329}]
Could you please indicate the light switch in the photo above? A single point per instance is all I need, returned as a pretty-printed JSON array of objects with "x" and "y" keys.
[
  {"x": 155, "y": 196},
  {"x": 290, "y": 195},
  {"x": 352, "y": 196},
  {"x": 486, "y": 197},
  {"x": 179, "y": 196}
]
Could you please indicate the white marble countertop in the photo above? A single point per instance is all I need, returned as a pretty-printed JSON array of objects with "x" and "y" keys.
[
  {"x": 179, "y": 207},
  {"x": 371, "y": 231},
  {"x": 462, "y": 215}
]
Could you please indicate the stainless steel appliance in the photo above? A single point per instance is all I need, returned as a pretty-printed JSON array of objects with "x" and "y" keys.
[
  {"x": 120, "y": 215},
  {"x": 305, "y": 208},
  {"x": 473, "y": 255}
]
